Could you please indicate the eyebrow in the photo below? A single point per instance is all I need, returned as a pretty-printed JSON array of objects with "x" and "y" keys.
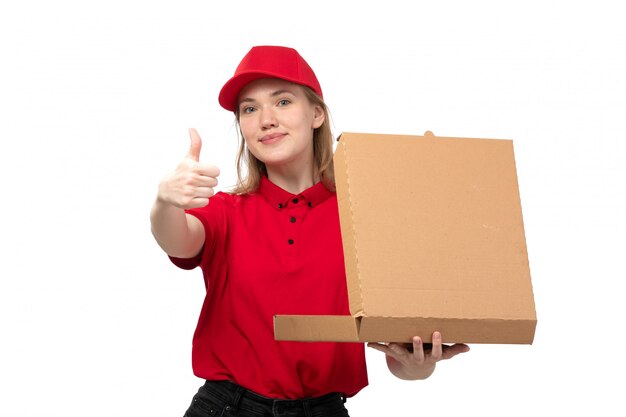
[{"x": 273, "y": 94}]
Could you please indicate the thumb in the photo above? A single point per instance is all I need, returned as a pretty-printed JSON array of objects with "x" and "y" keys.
[{"x": 196, "y": 145}]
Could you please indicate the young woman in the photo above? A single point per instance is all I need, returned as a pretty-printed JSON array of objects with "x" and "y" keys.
[{"x": 272, "y": 246}]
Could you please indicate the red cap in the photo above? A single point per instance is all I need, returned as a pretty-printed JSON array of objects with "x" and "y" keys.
[{"x": 268, "y": 62}]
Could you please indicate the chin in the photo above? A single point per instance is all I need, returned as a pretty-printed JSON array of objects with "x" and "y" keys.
[{"x": 272, "y": 158}]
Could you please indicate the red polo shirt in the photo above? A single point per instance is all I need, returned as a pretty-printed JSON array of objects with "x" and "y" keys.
[{"x": 271, "y": 252}]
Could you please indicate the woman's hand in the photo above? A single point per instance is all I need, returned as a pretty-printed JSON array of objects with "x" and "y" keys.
[
  {"x": 192, "y": 183},
  {"x": 417, "y": 360}
]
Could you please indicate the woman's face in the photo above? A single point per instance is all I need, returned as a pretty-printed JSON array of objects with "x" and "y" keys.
[{"x": 277, "y": 122}]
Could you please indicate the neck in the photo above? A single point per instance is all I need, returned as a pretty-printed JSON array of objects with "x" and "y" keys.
[{"x": 294, "y": 182}]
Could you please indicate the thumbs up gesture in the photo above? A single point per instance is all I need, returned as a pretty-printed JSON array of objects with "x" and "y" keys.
[{"x": 191, "y": 184}]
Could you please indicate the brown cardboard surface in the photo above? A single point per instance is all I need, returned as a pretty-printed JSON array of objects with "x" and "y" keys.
[{"x": 433, "y": 239}]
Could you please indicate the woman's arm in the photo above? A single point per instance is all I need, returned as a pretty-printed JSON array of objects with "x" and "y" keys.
[
  {"x": 189, "y": 186},
  {"x": 180, "y": 235}
]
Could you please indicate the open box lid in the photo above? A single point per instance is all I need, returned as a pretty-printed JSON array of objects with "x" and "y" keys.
[{"x": 433, "y": 239}]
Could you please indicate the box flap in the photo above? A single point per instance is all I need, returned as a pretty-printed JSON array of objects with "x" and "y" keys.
[
  {"x": 401, "y": 329},
  {"x": 432, "y": 227}
]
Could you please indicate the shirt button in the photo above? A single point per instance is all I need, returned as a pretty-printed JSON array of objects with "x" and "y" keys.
[
  {"x": 292, "y": 220},
  {"x": 295, "y": 201},
  {"x": 310, "y": 204},
  {"x": 280, "y": 205},
  {"x": 290, "y": 241}
]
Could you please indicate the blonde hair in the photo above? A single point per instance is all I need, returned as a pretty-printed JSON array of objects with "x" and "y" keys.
[{"x": 250, "y": 169}]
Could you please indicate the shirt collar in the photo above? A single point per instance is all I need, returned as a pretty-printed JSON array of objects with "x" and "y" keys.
[{"x": 280, "y": 198}]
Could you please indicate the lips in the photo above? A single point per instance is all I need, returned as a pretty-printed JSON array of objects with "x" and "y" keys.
[{"x": 272, "y": 137}]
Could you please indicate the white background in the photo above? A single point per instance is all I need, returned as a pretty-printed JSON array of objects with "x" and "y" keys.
[{"x": 95, "y": 102}]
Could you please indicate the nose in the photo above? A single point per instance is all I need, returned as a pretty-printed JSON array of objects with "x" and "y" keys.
[{"x": 268, "y": 118}]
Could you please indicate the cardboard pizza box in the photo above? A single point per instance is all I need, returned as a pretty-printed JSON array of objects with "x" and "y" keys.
[{"x": 433, "y": 239}]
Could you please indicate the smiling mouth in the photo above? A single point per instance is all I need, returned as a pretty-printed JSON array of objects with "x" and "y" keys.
[{"x": 272, "y": 138}]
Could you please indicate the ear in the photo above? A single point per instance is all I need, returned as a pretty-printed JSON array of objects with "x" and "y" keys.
[{"x": 318, "y": 116}]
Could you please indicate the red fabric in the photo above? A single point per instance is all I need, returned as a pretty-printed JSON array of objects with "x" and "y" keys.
[{"x": 253, "y": 272}]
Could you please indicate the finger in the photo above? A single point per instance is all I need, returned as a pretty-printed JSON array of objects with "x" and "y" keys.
[
  {"x": 204, "y": 192},
  {"x": 437, "y": 349},
  {"x": 198, "y": 180},
  {"x": 376, "y": 346},
  {"x": 207, "y": 170},
  {"x": 390, "y": 349},
  {"x": 197, "y": 202},
  {"x": 196, "y": 145},
  {"x": 452, "y": 351},
  {"x": 202, "y": 181},
  {"x": 418, "y": 349},
  {"x": 398, "y": 348}
]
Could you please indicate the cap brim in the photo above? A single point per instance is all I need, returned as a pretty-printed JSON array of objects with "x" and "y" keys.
[{"x": 230, "y": 91}]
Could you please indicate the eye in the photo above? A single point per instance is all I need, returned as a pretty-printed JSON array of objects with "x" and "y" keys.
[
  {"x": 283, "y": 102},
  {"x": 247, "y": 110}
]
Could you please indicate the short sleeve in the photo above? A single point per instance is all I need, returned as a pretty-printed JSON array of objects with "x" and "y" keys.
[
  {"x": 214, "y": 218},
  {"x": 187, "y": 263}
]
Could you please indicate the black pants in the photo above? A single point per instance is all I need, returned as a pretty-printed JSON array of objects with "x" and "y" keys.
[{"x": 226, "y": 399}]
